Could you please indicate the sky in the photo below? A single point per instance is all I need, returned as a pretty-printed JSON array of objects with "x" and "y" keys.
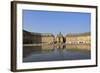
[{"x": 56, "y": 22}]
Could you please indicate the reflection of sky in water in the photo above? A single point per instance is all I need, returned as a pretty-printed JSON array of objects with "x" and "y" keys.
[{"x": 57, "y": 54}]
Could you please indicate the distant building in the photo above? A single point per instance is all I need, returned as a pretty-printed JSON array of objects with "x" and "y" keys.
[
  {"x": 82, "y": 38},
  {"x": 34, "y": 38},
  {"x": 59, "y": 38},
  {"x": 30, "y": 37},
  {"x": 47, "y": 38}
]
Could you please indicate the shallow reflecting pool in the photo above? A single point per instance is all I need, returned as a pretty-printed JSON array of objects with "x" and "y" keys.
[{"x": 52, "y": 53}]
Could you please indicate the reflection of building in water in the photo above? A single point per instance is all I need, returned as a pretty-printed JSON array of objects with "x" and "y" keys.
[
  {"x": 31, "y": 37},
  {"x": 82, "y": 38}
]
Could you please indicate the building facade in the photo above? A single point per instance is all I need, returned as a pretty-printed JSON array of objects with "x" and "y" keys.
[
  {"x": 29, "y": 37},
  {"x": 82, "y": 38},
  {"x": 47, "y": 38},
  {"x": 36, "y": 38}
]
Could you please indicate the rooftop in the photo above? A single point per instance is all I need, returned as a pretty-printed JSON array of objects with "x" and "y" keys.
[
  {"x": 40, "y": 34},
  {"x": 79, "y": 34}
]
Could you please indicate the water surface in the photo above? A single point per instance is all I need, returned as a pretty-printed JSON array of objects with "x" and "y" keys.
[{"x": 51, "y": 53}]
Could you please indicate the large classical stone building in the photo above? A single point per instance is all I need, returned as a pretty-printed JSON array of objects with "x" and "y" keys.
[
  {"x": 30, "y": 37},
  {"x": 48, "y": 38},
  {"x": 35, "y": 38},
  {"x": 82, "y": 38}
]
